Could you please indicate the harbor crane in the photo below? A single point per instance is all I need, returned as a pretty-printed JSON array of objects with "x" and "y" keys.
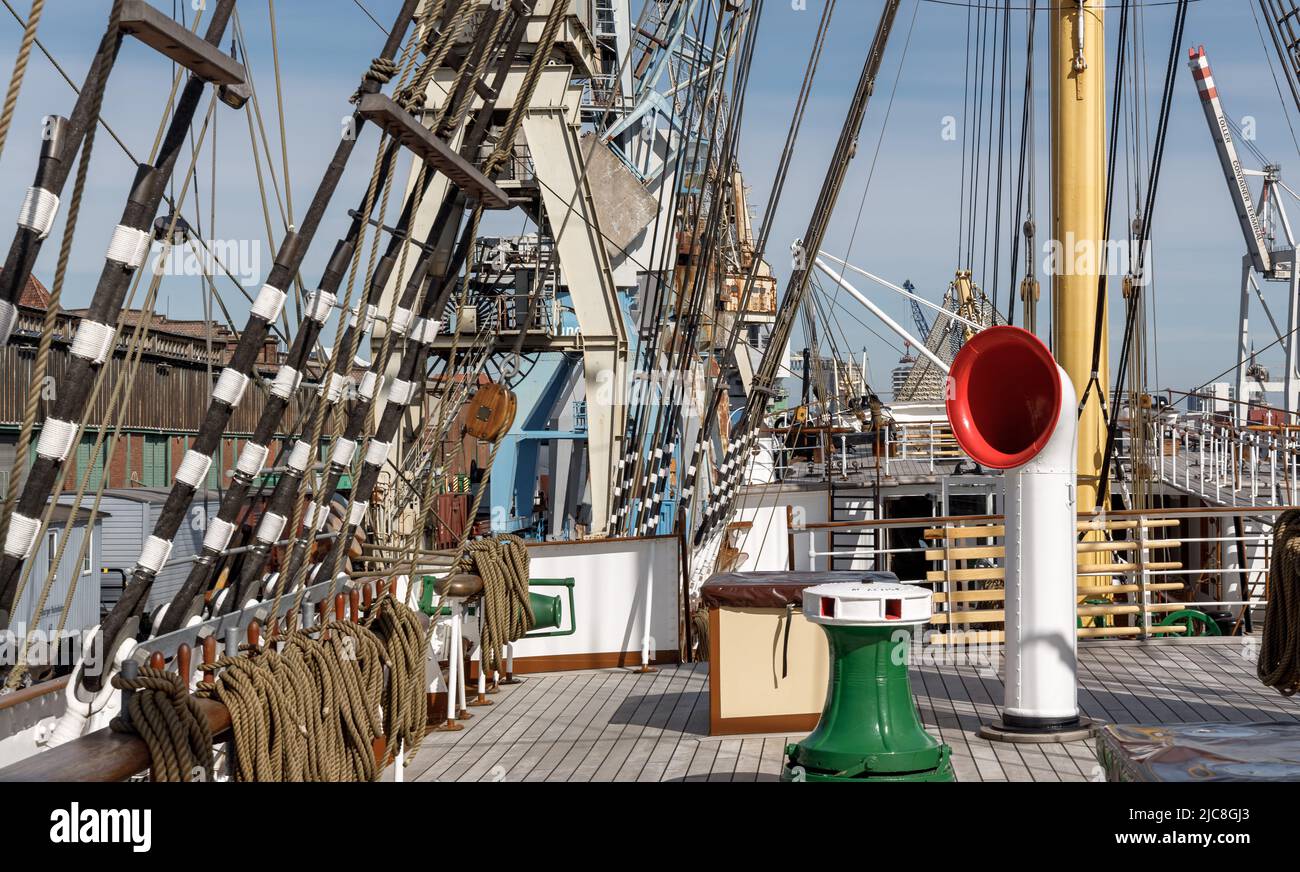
[
  {"x": 1264, "y": 256},
  {"x": 918, "y": 316}
]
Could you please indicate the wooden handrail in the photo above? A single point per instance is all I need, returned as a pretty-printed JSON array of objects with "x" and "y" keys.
[
  {"x": 1153, "y": 518},
  {"x": 36, "y": 691},
  {"x": 103, "y": 755}
]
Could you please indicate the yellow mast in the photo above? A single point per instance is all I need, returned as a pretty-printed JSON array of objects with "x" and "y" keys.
[{"x": 1078, "y": 97}]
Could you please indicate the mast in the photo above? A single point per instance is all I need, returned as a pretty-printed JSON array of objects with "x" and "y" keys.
[{"x": 1078, "y": 103}]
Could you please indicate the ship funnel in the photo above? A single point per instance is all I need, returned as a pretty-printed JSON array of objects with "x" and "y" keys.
[
  {"x": 1012, "y": 408},
  {"x": 1004, "y": 397}
]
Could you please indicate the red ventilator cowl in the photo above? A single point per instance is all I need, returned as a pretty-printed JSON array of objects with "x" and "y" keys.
[{"x": 1004, "y": 397}]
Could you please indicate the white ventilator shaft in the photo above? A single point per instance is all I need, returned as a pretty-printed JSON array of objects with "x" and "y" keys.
[{"x": 1041, "y": 576}]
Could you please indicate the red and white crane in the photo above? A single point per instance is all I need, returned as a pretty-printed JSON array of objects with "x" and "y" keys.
[{"x": 1257, "y": 223}]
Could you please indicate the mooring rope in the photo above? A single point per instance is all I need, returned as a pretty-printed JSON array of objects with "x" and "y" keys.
[
  {"x": 169, "y": 721},
  {"x": 1279, "y": 653}
]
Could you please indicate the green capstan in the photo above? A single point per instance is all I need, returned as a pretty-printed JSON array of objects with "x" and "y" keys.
[{"x": 869, "y": 729}]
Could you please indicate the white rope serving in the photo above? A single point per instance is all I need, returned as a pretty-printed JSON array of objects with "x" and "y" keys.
[
  {"x": 286, "y": 382},
  {"x": 269, "y": 530},
  {"x": 376, "y": 452},
  {"x": 426, "y": 330},
  {"x": 401, "y": 392},
  {"x": 319, "y": 306},
  {"x": 314, "y": 520},
  {"x": 251, "y": 459},
  {"x": 269, "y": 303},
  {"x": 367, "y": 321},
  {"x": 341, "y": 452},
  {"x": 300, "y": 456},
  {"x": 153, "y": 556},
  {"x": 194, "y": 468},
  {"x": 21, "y": 538},
  {"x": 38, "y": 211},
  {"x": 401, "y": 321},
  {"x": 369, "y": 386},
  {"x": 336, "y": 385},
  {"x": 56, "y": 439},
  {"x": 230, "y": 386},
  {"x": 218, "y": 535},
  {"x": 93, "y": 341},
  {"x": 128, "y": 246}
]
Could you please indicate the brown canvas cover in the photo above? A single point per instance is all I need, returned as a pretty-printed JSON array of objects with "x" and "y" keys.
[{"x": 775, "y": 590}]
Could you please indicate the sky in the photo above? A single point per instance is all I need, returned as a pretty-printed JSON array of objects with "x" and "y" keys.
[{"x": 899, "y": 212}]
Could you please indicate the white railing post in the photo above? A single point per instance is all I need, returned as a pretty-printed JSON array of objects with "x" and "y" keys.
[
  {"x": 1254, "y": 469},
  {"x": 1292, "y": 454},
  {"x": 1272, "y": 471},
  {"x": 1187, "y": 466},
  {"x": 1173, "y": 455},
  {"x": 1142, "y": 577},
  {"x": 1200, "y": 459},
  {"x": 1216, "y": 451}
]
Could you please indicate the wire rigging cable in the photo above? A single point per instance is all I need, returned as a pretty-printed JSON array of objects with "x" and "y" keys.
[{"x": 1144, "y": 234}]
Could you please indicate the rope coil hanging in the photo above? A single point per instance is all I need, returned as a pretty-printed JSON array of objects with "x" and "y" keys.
[
  {"x": 162, "y": 712},
  {"x": 307, "y": 706},
  {"x": 1279, "y": 652},
  {"x": 502, "y": 562},
  {"x": 381, "y": 71}
]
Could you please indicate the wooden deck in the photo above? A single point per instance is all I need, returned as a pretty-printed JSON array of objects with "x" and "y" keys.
[{"x": 616, "y": 725}]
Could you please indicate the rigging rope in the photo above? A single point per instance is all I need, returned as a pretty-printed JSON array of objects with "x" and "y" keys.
[
  {"x": 123, "y": 384},
  {"x": 716, "y": 392},
  {"x": 20, "y": 70},
  {"x": 1143, "y": 236},
  {"x": 288, "y": 260},
  {"x": 32, "y": 407}
]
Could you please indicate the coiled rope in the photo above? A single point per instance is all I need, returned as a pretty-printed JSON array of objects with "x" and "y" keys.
[
  {"x": 381, "y": 70},
  {"x": 502, "y": 562},
  {"x": 405, "y": 704},
  {"x": 1279, "y": 653},
  {"x": 162, "y": 712},
  {"x": 307, "y": 706}
]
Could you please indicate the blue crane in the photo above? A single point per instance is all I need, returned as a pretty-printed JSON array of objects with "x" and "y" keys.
[{"x": 918, "y": 316}]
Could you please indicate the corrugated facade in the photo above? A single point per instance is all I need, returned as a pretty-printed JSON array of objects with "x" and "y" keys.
[
  {"x": 161, "y": 414},
  {"x": 133, "y": 513},
  {"x": 83, "y": 611},
  {"x": 172, "y": 384}
]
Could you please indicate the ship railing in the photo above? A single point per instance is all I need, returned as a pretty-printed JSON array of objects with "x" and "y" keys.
[
  {"x": 513, "y": 310},
  {"x": 898, "y": 449},
  {"x": 928, "y": 442},
  {"x": 106, "y": 755},
  {"x": 1255, "y": 466},
  {"x": 1139, "y": 572}
]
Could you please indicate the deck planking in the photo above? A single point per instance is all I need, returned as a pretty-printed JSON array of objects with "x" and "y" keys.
[{"x": 619, "y": 725}]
